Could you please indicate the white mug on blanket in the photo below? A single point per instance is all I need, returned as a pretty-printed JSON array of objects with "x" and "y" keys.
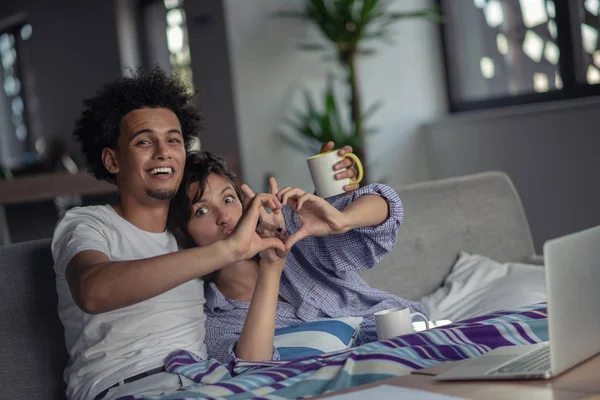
[{"x": 396, "y": 322}]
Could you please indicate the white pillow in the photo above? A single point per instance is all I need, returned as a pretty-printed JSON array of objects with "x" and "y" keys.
[{"x": 478, "y": 285}]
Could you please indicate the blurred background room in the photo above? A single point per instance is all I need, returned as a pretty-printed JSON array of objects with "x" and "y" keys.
[{"x": 422, "y": 89}]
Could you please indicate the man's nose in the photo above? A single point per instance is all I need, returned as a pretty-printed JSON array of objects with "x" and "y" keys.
[{"x": 162, "y": 151}]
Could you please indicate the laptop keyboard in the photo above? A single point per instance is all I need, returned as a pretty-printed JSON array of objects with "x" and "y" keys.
[{"x": 537, "y": 360}]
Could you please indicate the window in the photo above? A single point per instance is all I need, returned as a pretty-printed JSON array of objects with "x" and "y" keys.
[
  {"x": 16, "y": 142},
  {"x": 506, "y": 52},
  {"x": 589, "y": 55},
  {"x": 177, "y": 41},
  {"x": 165, "y": 41}
]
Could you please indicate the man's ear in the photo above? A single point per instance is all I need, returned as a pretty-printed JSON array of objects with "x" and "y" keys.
[{"x": 109, "y": 159}]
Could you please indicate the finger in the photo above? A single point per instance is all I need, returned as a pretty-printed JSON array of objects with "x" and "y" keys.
[
  {"x": 263, "y": 214},
  {"x": 349, "y": 173},
  {"x": 327, "y": 147},
  {"x": 345, "y": 150},
  {"x": 264, "y": 200},
  {"x": 272, "y": 243},
  {"x": 273, "y": 183},
  {"x": 268, "y": 200},
  {"x": 255, "y": 209},
  {"x": 295, "y": 238},
  {"x": 303, "y": 199},
  {"x": 274, "y": 190},
  {"x": 249, "y": 193},
  {"x": 251, "y": 214},
  {"x": 282, "y": 192},
  {"x": 345, "y": 163},
  {"x": 293, "y": 195},
  {"x": 249, "y": 196},
  {"x": 351, "y": 188}
]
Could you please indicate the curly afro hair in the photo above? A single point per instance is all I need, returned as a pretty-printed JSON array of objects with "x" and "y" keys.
[{"x": 99, "y": 124}]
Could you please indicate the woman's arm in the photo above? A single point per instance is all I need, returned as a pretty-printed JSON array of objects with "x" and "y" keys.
[
  {"x": 256, "y": 341},
  {"x": 367, "y": 210},
  {"x": 371, "y": 219}
]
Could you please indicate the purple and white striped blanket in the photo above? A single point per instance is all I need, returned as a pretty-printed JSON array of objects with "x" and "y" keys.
[{"x": 368, "y": 363}]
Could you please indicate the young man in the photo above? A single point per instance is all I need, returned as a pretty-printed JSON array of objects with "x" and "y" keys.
[{"x": 127, "y": 297}]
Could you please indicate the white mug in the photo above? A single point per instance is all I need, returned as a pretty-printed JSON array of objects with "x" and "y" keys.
[
  {"x": 396, "y": 322},
  {"x": 323, "y": 175}
]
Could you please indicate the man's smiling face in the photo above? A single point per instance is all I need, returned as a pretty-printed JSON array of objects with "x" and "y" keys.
[{"x": 150, "y": 157}]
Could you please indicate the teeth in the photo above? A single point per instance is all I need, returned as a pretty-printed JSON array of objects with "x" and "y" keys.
[{"x": 164, "y": 170}]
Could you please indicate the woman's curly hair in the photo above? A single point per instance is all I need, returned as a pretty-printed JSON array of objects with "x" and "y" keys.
[
  {"x": 198, "y": 166},
  {"x": 99, "y": 124}
]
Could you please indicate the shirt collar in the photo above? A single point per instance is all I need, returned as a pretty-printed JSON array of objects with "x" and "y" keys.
[{"x": 215, "y": 300}]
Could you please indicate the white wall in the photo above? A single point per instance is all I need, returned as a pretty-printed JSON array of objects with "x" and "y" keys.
[{"x": 268, "y": 71}]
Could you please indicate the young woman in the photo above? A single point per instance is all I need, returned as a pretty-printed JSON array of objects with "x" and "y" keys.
[{"x": 326, "y": 245}]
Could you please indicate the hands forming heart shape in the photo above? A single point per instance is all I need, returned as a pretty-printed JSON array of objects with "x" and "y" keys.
[{"x": 317, "y": 217}]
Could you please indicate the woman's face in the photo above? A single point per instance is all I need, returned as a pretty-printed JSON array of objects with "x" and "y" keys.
[{"x": 216, "y": 214}]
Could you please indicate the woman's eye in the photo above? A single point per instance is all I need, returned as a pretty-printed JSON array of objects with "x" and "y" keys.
[
  {"x": 201, "y": 211},
  {"x": 229, "y": 199}
]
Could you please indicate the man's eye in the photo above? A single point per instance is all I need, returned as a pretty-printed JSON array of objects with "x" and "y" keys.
[
  {"x": 142, "y": 142},
  {"x": 201, "y": 211},
  {"x": 174, "y": 140},
  {"x": 229, "y": 199}
]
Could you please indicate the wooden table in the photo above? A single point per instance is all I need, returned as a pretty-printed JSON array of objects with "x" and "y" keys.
[
  {"x": 581, "y": 382},
  {"x": 45, "y": 187}
]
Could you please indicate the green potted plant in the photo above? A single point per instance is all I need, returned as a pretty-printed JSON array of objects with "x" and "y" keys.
[{"x": 347, "y": 26}]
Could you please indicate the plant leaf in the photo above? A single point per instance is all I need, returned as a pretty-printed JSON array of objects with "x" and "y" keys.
[
  {"x": 368, "y": 113},
  {"x": 433, "y": 13}
]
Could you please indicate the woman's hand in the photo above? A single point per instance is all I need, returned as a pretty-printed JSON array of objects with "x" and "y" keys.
[
  {"x": 271, "y": 225},
  {"x": 245, "y": 242},
  {"x": 317, "y": 216},
  {"x": 347, "y": 163}
]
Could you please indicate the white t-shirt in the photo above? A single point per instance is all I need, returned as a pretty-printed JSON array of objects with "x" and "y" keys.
[{"x": 108, "y": 347}]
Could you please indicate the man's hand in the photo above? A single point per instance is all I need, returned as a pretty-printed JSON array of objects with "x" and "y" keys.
[
  {"x": 317, "y": 216},
  {"x": 245, "y": 242},
  {"x": 347, "y": 163}
]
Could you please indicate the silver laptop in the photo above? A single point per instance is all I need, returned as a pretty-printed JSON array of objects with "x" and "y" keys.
[{"x": 572, "y": 265}]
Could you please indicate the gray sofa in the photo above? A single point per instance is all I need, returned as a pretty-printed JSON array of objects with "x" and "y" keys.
[
  {"x": 479, "y": 213},
  {"x": 32, "y": 346}
]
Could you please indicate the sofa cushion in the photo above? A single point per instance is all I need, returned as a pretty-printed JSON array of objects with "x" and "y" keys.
[
  {"x": 480, "y": 213},
  {"x": 32, "y": 347},
  {"x": 478, "y": 285}
]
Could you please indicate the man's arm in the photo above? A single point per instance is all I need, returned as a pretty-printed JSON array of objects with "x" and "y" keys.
[{"x": 100, "y": 285}]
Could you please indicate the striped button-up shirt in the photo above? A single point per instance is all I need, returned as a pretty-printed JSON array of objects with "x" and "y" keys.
[{"x": 319, "y": 281}]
